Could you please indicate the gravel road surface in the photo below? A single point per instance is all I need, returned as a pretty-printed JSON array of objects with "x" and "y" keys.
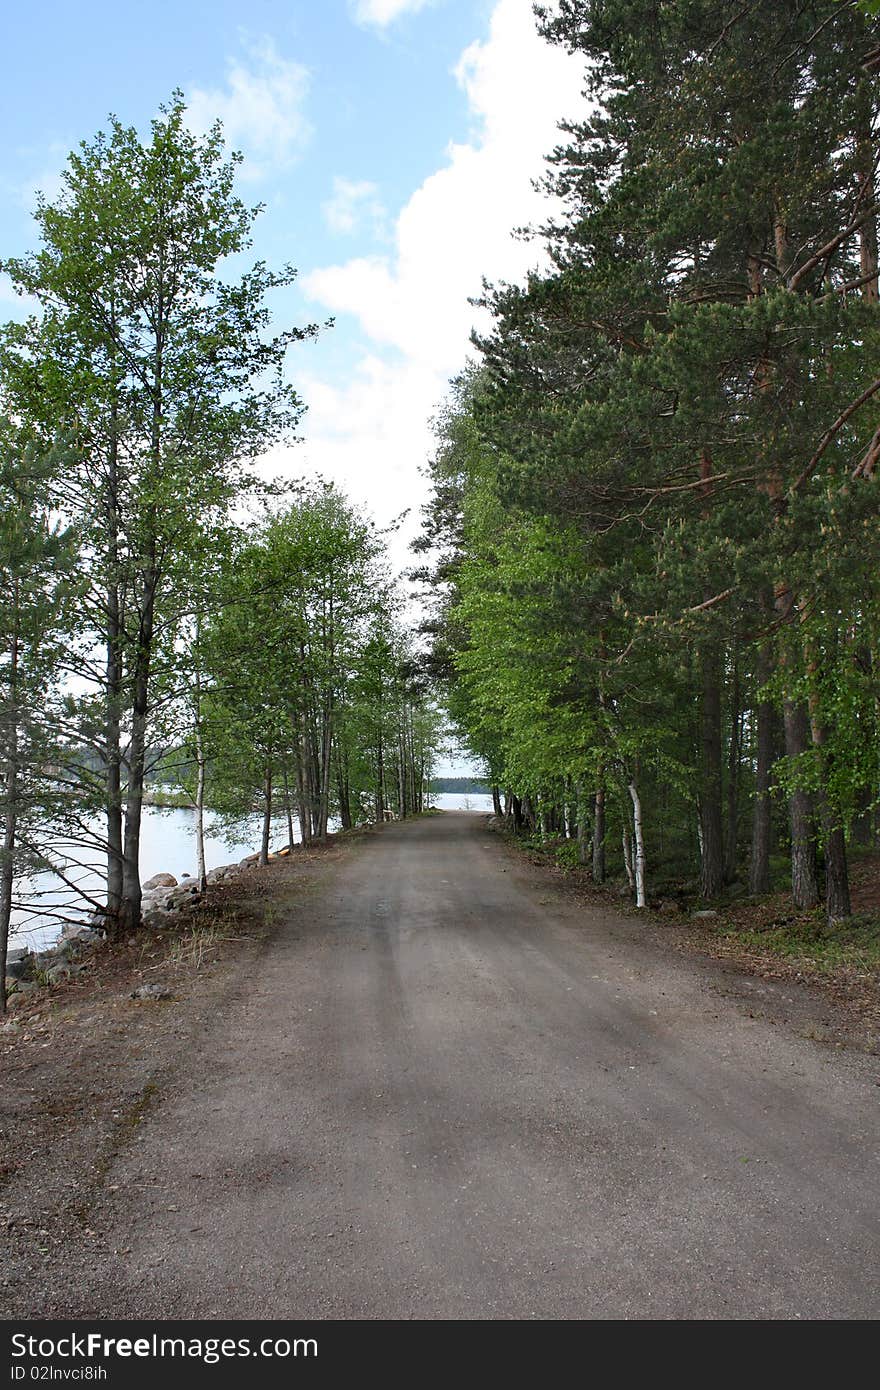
[{"x": 447, "y": 1091}]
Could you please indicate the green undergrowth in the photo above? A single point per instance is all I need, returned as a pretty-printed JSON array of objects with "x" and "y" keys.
[
  {"x": 764, "y": 926},
  {"x": 809, "y": 939}
]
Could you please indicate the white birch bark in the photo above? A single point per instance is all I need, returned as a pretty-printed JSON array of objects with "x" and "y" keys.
[{"x": 641, "y": 900}]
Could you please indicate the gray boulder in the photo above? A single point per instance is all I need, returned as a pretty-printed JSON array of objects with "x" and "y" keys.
[
  {"x": 705, "y": 914},
  {"x": 26, "y": 986},
  {"x": 69, "y": 947},
  {"x": 151, "y": 992},
  {"x": 84, "y": 935},
  {"x": 183, "y": 896},
  {"x": 63, "y": 971},
  {"x": 155, "y": 918},
  {"x": 159, "y": 881},
  {"x": 18, "y": 962},
  {"x": 223, "y": 872}
]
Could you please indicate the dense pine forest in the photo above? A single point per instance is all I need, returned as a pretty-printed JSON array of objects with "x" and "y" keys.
[{"x": 653, "y": 538}]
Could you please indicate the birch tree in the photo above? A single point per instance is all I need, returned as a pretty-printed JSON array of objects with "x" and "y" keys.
[{"x": 162, "y": 366}]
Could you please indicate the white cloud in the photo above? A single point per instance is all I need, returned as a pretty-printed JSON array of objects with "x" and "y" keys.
[
  {"x": 48, "y": 181},
  {"x": 261, "y": 107},
  {"x": 372, "y": 434},
  {"x": 353, "y": 205},
  {"x": 20, "y": 305},
  {"x": 384, "y": 12},
  {"x": 457, "y": 226}
]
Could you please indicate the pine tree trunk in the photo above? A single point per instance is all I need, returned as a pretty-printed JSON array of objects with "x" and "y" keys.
[
  {"x": 804, "y": 879},
  {"x": 113, "y": 761},
  {"x": 314, "y": 775},
  {"x": 599, "y": 835},
  {"x": 288, "y": 811},
  {"x": 380, "y": 780},
  {"x": 583, "y": 839},
  {"x": 130, "y": 915},
  {"x": 711, "y": 842},
  {"x": 838, "y": 905},
  {"x": 343, "y": 791},
  {"x": 113, "y": 672},
  {"x": 326, "y": 754},
  {"x": 868, "y": 231},
  {"x": 837, "y": 898},
  {"x": 413, "y": 783},
  {"x": 401, "y": 780}
]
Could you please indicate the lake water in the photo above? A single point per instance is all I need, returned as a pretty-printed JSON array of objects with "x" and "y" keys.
[
  {"x": 168, "y": 846},
  {"x": 463, "y": 801}
]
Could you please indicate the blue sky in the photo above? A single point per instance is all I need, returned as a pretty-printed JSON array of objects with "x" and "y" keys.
[
  {"x": 377, "y": 98},
  {"x": 394, "y": 144}
]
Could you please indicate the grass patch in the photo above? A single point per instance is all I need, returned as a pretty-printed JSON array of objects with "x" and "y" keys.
[
  {"x": 810, "y": 940},
  {"x": 766, "y": 928},
  {"x": 199, "y": 945}
]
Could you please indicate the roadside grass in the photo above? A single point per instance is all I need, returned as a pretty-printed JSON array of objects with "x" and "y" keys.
[
  {"x": 198, "y": 945},
  {"x": 762, "y": 928},
  {"x": 806, "y": 940}
]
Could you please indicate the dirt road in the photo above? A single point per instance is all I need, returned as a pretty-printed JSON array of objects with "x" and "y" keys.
[{"x": 444, "y": 1093}]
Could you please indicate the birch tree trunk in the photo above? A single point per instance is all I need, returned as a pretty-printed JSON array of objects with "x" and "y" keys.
[
  {"x": 201, "y": 872},
  {"x": 734, "y": 753},
  {"x": 641, "y": 900},
  {"x": 759, "y": 866}
]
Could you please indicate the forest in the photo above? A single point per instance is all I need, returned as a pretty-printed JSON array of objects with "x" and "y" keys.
[
  {"x": 649, "y": 561},
  {"x": 158, "y": 590},
  {"x": 652, "y": 541}
]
